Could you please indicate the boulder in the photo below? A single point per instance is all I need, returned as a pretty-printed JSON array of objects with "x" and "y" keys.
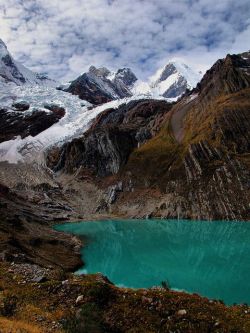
[{"x": 21, "y": 106}]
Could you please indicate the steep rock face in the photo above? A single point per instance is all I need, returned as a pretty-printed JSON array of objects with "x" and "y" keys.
[
  {"x": 218, "y": 109},
  {"x": 183, "y": 160},
  {"x": 99, "y": 85},
  {"x": 190, "y": 162},
  {"x": 217, "y": 183},
  {"x": 26, "y": 236},
  {"x": 177, "y": 89},
  {"x": 87, "y": 89},
  {"x": 105, "y": 148}
]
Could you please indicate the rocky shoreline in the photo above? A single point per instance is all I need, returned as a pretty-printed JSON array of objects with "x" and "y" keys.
[{"x": 34, "y": 299}]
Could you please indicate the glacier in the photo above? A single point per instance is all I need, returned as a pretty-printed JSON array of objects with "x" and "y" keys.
[{"x": 77, "y": 120}]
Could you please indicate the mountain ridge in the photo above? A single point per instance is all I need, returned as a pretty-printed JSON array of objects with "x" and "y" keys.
[{"x": 100, "y": 85}]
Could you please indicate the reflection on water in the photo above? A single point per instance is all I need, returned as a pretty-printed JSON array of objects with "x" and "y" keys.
[{"x": 210, "y": 258}]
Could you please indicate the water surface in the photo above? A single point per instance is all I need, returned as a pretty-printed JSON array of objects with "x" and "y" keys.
[{"x": 209, "y": 258}]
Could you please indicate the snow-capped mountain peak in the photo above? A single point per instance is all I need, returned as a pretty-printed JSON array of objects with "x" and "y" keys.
[
  {"x": 174, "y": 67},
  {"x": 12, "y": 71},
  {"x": 173, "y": 79},
  {"x": 100, "y": 72}
]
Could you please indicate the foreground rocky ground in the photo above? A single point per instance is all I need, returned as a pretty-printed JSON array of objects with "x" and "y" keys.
[{"x": 34, "y": 299}]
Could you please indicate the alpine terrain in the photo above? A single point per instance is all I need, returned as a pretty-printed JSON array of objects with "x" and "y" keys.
[{"x": 108, "y": 145}]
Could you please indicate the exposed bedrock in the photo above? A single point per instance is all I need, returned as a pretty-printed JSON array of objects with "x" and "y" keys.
[
  {"x": 26, "y": 234},
  {"x": 23, "y": 122}
]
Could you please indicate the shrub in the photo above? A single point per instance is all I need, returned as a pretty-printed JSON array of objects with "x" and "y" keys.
[{"x": 88, "y": 319}]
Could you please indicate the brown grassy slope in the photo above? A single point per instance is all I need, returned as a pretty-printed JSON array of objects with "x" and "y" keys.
[
  {"x": 151, "y": 162},
  {"x": 51, "y": 307},
  {"x": 227, "y": 113}
]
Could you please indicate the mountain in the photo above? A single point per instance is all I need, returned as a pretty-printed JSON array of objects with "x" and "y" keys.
[
  {"x": 176, "y": 148},
  {"x": 189, "y": 156},
  {"x": 171, "y": 81},
  {"x": 174, "y": 79},
  {"x": 99, "y": 85},
  {"x": 144, "y": 156},
  {"x": 12, "y": 71}
]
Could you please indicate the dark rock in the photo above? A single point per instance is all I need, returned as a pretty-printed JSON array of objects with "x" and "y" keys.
[
  {"x": 89, "y": 91},
  {"x": 21, "y": 106},
  {"x": 176, "y": 89},
  {"x": 56, "y": 109},
  {"x": 112, "y": 193},
  {"x": 16, "y": 123}
]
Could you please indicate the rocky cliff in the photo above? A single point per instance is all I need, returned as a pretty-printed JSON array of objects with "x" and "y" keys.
[{"x": 26, "y": 234}]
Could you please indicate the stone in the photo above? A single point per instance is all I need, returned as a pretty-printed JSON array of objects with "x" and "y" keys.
[
  {"x": 21, "y": 106},
  {"x": 39, "y": 279},
  {"x": 79, "y": 299},
  {"x": 106, "y": 147},
  {"x": 56, "y": 109},
  {"x": 182, "y": 312},
  {"x": 31, "y": 123},
  {"x": 65, "y": 282}
]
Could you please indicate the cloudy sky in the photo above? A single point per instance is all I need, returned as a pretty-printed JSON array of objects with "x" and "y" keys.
[{"x": 64, "y": 37}]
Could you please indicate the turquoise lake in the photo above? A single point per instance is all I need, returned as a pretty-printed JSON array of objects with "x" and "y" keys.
[{"x": 208, "y": 258}]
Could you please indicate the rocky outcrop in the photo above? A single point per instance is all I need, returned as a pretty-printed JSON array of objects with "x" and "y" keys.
[
  {"x": 206, "y": 173},
  {"x": 20, "y": 121},
  {"x": 58, "y": 110},
  {"x": 88, "y": 90},
  {"x": 21, "y": 106},
  {"x": 26, "y": 234},
  {"x": 184, "y": 160},
  {"x": 226, "y": 76}
]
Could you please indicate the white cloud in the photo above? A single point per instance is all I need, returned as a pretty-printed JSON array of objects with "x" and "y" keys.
[{"x": 65, "y": 37}]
